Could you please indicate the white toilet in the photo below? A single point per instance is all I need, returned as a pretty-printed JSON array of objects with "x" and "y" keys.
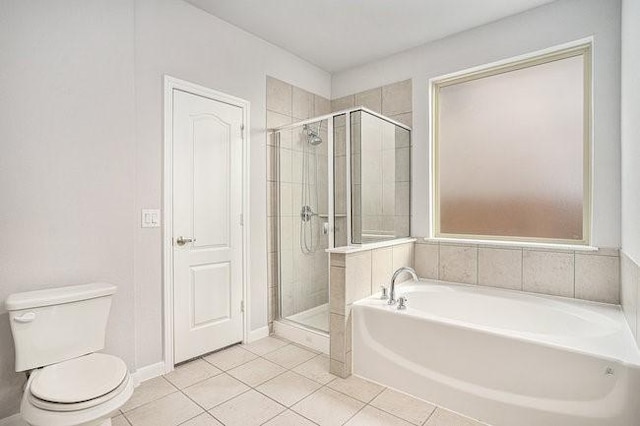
[{"x": 56, "y": 334}]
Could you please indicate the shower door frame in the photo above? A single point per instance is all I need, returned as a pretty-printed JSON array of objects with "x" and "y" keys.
[{"x": 331, "y": 185}]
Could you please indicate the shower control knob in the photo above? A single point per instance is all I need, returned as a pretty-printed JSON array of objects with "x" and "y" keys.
[{"x": 402, "y": 302}]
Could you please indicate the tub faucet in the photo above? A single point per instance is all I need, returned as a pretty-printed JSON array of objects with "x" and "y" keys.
[{"x": 392, "y": 290}]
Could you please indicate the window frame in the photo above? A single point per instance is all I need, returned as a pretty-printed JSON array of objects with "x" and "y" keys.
[{"x": 582, "y": 48}]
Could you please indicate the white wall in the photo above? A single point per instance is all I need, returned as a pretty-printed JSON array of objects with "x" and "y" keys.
[
  {"x": 175, "y": 38},
  {"x": 81, "y": 134},
  {"x": 67, "y": 164},
  {"x": 556, "y": 23},
  {"x": 630, "y": 100}
]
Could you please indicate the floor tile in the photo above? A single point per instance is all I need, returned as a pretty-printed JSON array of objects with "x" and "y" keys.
[
  {"x": 215, "y": 390},
  {"x": 316, "y": 369},
  {"x": 328, "y": 407},
  {"x": 356, "y": 387},
  {"x": 170, "y": 410},
  {"x": 442, "y": 417},
  {"x": 266, "y": 345},
  {"x": 289, "y": 418},
  {"x": 119, "y": 421},
  {"x": 288, "y": 388},
  {"x": 404, "y": 406},
  {"x": 148, "y": 391},
  {"x": 290, "y": 356},
  {"x": 371, "y": 416},
  {"x": 204, "y": 419},
  {"x": 256, "y": 372},
  {"x": 249, "y": 409},
  {"x": 229, "y": 358},
  {"x": 191, "y": 373}
]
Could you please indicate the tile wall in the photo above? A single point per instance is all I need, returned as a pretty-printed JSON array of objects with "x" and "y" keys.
[
  {"x": 579, "y": 274},
  {"x": 355, "y": 276},
  {"x": 287, "y": 104},
  {"x": 630, "y": 292}
]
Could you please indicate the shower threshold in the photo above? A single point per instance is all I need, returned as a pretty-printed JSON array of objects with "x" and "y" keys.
[{"x": 317, "y": 318}]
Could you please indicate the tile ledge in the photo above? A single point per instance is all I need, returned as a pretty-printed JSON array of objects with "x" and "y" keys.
[
  {"x": 514, "y": 244},
  {"x": 370, "y": 246}
]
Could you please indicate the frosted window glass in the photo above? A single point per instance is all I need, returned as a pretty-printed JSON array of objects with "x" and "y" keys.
[{"x": 510, "y": 153}]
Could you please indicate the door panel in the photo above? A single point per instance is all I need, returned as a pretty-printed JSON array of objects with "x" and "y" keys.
[{"x": 207, "y": 205}]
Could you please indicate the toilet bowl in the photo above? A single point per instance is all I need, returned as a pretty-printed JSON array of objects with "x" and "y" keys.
[{"x": 57, "y": 334}]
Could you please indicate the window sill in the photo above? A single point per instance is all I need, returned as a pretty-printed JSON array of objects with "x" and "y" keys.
[{"x": 519, "y": 244}]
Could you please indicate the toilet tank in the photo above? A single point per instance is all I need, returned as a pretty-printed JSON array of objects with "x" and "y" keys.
[{"x": 58, "y": 324}]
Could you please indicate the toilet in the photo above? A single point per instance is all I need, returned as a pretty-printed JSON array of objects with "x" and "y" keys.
[{"x": 57, "y": 335}]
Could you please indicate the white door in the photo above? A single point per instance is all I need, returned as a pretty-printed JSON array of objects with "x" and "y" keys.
[{"x": 207, "y": 232}]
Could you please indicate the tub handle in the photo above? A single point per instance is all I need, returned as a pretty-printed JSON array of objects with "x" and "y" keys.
[{"x": 402, "y": 302}]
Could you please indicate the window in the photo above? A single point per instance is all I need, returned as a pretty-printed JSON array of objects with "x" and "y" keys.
[{"x": 511, "y": 151}]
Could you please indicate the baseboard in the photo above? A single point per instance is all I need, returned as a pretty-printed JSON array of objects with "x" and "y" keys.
[
  {"x": 15, "y": 420},
  {"x": 258, "y": 334},
  {"x": 147, "y": 372}
]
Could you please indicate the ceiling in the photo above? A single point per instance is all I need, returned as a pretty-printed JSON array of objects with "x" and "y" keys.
[{"x": 340, "y": 34}]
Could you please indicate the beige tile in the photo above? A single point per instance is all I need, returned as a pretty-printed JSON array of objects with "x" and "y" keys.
[
  {"x": 170, "y": 410},
  {"x": 629, "y": 280},
  {"x": 601, "y": 251},
  {"x": 278, "y": 96},
  {"x": 406, "y": 118},
  {"x": 327, "y": 407},
  {"x": 119, "y": 421},
  {"x": 343, "y": 103},
  {"x": 357, "y": 276},
  {"x": 458, "y": 264},
  {"x": 337, "y": 344},
  {"x": 229, "y": 358},
  {"x": 289, "y": 418},
  {"x": 249, "y": 409},
  {"x": 381, "y": 268},
  {"x": 191, "y": 372},
  {"x": 316, "y": 369},
  {"x": 148, "y": 391},
  {"x": 322, "y": 106},
  {"x": 548, "y": 272},
  {"x": 216, "y": 390},
  {"x": 443, "y": 417},
  {"x": 290, "y": 356},
  {"x": 275, "y": 120},
  {"x": 371, "y": 416},
  {"x": 404, "y": 406},
  {"x": 256, "y": 372},
  {"x": 403, "y": 256},
  {"x": 265, "y": 345},
  {"x": 288, "y": 388},
  {"x": 500, "y": 267},
  {"x": 356, "y": 387},
  {"x": 426, "y": 260},
  {"x": 396, "y": 98},
  {"x": 338, "y": 368},
  {"x": 371, "y": 99},
  {"x": 598, "y": 278},
  {"x": 204, "y": 419},
  {"x": 272, "y": 163},
  {"x": 302, "y": 104},
  {"x": 272, "y": 199}
]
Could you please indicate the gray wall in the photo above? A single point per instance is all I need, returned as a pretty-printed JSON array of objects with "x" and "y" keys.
[
  {"x": 546, "y": 26},
  {"x": 81, "y": 134}
]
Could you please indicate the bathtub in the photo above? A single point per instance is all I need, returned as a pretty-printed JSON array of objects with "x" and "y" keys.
[{"x": 503, "y": 357}]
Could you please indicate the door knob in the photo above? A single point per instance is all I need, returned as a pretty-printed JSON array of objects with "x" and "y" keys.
[{"x": 182, "y": 241}]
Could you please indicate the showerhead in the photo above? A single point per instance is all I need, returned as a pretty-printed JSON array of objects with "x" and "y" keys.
[{"x": 313, "y": 136}]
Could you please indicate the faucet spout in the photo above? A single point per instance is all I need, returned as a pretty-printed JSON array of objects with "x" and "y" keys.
[{"x": 396, "y": 274}]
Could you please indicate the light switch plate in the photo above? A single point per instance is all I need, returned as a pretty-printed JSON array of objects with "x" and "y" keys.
[{"x": 150, "y": 218}]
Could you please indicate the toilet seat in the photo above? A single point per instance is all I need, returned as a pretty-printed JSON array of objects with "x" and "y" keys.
[{"x": 78, "y": 383}]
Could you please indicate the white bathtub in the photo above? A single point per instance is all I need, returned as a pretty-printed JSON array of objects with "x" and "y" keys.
[{"x": 504, "y": 357}]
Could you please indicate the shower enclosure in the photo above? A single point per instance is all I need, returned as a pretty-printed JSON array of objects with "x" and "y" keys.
[{"x": 338, "y": 185}]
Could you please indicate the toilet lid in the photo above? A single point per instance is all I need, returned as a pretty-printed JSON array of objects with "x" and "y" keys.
[{"x": 79, "y": 379}]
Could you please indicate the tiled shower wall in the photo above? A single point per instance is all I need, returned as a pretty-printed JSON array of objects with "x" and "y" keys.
[
  {"x": 589, "y": 275},
  {"x": 287, "y": 104},
  {"x": 630, "y": 293}
]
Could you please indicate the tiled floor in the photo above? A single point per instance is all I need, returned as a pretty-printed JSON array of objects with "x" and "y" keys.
[{"x": 274, "y": 383}]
